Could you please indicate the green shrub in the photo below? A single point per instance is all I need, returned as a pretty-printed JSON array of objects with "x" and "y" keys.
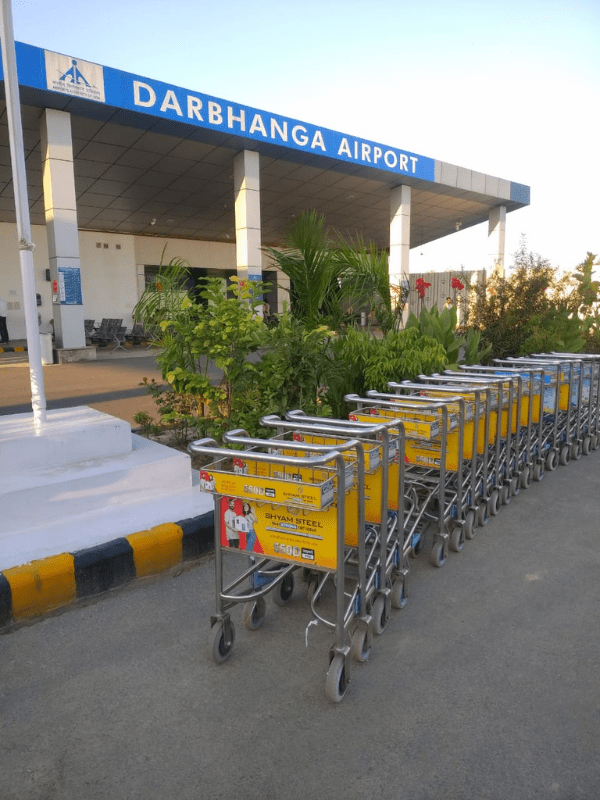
[
  {"x": 441, "y": 326},
  {"x": 360, "y": 361}
]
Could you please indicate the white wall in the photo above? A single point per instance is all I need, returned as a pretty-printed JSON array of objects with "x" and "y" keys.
[
  {"x": 10, "y": 277},
  {"x": 202, "y": 255},
  {"x": 109, "y": 275}
]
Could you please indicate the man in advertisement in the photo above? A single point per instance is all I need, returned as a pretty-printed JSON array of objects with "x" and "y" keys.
[{"x": 233, "y": 537}]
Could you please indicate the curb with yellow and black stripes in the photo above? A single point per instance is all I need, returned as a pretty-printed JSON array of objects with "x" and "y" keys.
[
  {"x": 12, "y": 349},
  {"x": 34, "y": 589}
]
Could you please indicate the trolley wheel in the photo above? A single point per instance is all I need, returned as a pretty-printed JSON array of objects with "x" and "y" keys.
[
  {"x": 398, "y": 594},
  {"x": 379, "y": 614},
  {"x": 416, "y": 548},
  {"x": 538, "y": 472},
  {"x": 336, "y": 683},
  {"x": 515, "y": 486},
  {"x": 505, "y": 496},
  {"x": 218, "y": 651},
  {"x": 525, "y": 477},
  {"x": 576, "y": 450},
  {"x": 565, "y": 455},
  {"x": 595, "y": 441},
  {"x": 254, "y": 613},
  {"x": 483, "y": 513},
  {"x": 470, "y": 524},
  {"x": 494, "y": 502},
  {"x": 438, "y": 554},
  {"x": 552, "y": 460},
  {"x": 284, "y": 591},
  {"x": 360, "y": 645},
  {"x": 457, "y": 539},
  {"x": 586, "y": 445}
]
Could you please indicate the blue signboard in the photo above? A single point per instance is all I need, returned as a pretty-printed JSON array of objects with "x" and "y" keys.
[
  {"x": 69, "y": 286},
  {"x": 53, "y": 72}
]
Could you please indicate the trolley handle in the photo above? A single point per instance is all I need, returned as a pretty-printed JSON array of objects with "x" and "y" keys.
[
  {"x": 427, "y": 387},
  {"x": 274, "y": 421},
  {"x": 240, "y": 436},
  {"x": 449, "y": 376},
  {"x": 409, "y": 397},
  {"x": 477, "y": 369},
  {"x": 421, "y": 401},
  {"x": 211, "y": 447},
  {"x": 340, "y": 427},
  {"x": 337, "y": 424}
]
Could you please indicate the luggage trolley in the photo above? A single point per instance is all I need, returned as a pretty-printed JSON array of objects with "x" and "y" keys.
[
  {"x": 562, "y": 406},
  {"x": 499, "y": 404},
  {"x": 384, "y": 500},
  {"x": 433, "y": 450},
  {"x": 528, "y": 417},
  {"x": 360, "y": 559},
  {"x": 589, "y": 371},
  {"x": 492, "y": 448},
  {"x": 300, "y": 506},
  {"x": 570, "y": 405},
  {"x": 591, "y": 390},
  {"x": 475, "y": 490}
]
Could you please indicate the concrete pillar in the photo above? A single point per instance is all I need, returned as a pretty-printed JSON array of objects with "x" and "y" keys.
[
  {"x": 246, "y": 178},
  {"x": 61, "y": 228},
  {"x": 399, "y": 260},
  {"x": 496, "y": 238}
]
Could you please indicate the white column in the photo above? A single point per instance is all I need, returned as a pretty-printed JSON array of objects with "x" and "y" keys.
[
  {"x": 246, "y": 178},
  {"x": 399, "y": 260},
  {"x": 496, "y": 238},
  {"x": 61, "y": 227}
]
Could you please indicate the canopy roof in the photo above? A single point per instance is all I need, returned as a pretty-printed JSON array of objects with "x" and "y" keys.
[{"x": 155, "y": 159}]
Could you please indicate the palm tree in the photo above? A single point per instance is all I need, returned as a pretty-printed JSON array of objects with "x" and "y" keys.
[
  {"x": 365, "y": 281},
  {"x": 309, "y": 262}
]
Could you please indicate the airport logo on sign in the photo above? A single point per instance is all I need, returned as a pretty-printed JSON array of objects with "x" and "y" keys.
[{"x": 75, "y": 77}]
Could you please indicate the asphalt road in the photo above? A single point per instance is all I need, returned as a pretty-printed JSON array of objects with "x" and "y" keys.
[
  {"x": 111, "y": 386},
  {"x": 485, "y": 687}
]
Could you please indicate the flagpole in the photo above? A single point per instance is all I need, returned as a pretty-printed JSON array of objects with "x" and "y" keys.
[{"x": 26, "y": 246}]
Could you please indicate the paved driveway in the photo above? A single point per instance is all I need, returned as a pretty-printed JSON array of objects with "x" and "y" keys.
[
  {"x": 109, "y": 385},
  {"x": 485, "y": 687}
]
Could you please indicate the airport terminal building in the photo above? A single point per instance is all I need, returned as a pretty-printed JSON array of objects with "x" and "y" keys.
[{"x": 121, "y": 168}]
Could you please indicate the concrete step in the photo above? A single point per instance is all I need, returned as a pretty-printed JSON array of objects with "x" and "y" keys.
[
  {"x": 70, "y": 435},
  {"x": 33, "y": 498},
  {"x": 98, "y": 526}
]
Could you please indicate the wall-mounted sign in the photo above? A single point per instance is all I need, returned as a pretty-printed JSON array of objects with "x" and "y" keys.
[
  {"x": 42, "y": 69},
  {"x": 74, "y": 76},
  {"x": 69, "y": 286}
]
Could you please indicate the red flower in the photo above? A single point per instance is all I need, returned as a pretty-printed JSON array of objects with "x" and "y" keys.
[
  {"x": 421, "y": 286},
  {"x": 456, "y": 284}
]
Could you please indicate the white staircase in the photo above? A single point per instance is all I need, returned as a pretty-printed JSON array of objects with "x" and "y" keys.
[{"x": 84, "y": 480}]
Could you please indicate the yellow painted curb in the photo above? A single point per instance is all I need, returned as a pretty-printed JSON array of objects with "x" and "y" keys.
[
  {"x": 42, "y": 585},
  {"x": 19, "y": 349},
  {"x": 157, "y": 549}
]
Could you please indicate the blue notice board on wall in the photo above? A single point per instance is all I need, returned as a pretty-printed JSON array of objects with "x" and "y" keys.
[{"x": 69, "y": 286}]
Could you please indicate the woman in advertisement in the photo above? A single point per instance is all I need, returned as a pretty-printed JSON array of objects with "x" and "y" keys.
[{"x": 250, "y": 518}]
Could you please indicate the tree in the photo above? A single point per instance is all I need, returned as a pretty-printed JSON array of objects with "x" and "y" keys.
[
  {"x": 527, "y": 310},
  {"x": 309, "y": 262}
]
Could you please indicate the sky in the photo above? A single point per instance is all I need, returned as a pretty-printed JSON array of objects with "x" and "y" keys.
[{"x": 507, "y": 88}]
